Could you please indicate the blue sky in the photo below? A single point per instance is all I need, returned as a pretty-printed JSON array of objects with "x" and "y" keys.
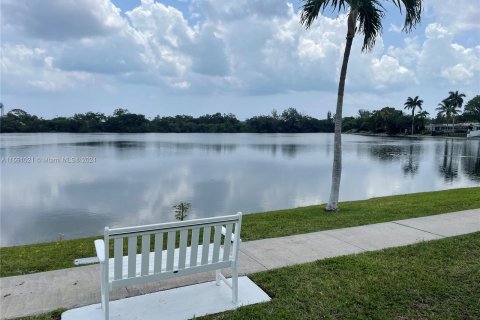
[{"x": 245, "y": 57}]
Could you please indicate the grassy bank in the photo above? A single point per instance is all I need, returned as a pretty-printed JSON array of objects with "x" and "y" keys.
[
  {"x": 431, "y": 280},
  {"x": 356, "y": 213},
  {"x": 57, "y": 255}
]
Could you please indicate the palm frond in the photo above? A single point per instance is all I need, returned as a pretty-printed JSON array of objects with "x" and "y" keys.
[
  {"x": 312, "y": 8},
  {"x": 413, "y": 103},
  {"x": 413, "y": 9},
  {"x": 455, "y": 98},
  {"x": 370, "y": 14},
  {"x": 409, "y": 103}
]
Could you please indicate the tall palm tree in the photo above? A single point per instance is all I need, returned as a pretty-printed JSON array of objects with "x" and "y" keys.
[
  {"x": 456, "y": 102},
  {"x": 456, "y": 98},
  {"x": 445, "y": 108},
  {"x": 368, "y": 15},
  {"x": 412, "y": 104},
  {"x": 451, "y": 106}
]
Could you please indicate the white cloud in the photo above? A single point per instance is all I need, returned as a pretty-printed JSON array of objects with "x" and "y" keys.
[
  {"x": 457, "y": 73},
  {"x": 29, "y": 68},
  {"x": 440, "y": 57},
  {"x": 439, "y": 60},
  {"x": 210, "y": 57},
  {"x": 119, "y": 53},
  {"x": 60, "y": 20},
  {"x": 458, "y": 16},
  {"x": 387, "y": 73}
]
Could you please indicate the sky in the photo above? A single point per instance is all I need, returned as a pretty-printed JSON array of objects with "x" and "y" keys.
[{"x": 245, "y": 57}]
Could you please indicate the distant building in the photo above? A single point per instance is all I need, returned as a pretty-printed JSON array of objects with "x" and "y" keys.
[{"x": 438, "y": 128}]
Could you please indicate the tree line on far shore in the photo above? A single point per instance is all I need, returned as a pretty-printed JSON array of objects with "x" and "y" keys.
[
  {"x": 386, "y": 120},
  {"x": 289, "y": 121}
]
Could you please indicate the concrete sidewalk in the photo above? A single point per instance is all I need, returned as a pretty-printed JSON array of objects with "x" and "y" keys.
[{"x": 74, "y": 287}]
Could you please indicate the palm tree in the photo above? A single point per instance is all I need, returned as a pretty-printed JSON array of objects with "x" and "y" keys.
[
  {"x": 422, "y": 117},
  {"x": 412, "y": 104},
  {"x": 445, "y": 108},
  {"x": 368, "y": 15},
  {"x": 451, "y": 106},
  {"x": 456, "y": 98},
  {"x": 456, "y": 102}
]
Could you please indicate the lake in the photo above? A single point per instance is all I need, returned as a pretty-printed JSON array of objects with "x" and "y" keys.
[{"x": 62, "y": 186}]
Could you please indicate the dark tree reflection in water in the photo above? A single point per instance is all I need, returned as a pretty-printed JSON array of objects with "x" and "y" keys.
[
  {"x": 412, "y": 162},
  {"x": 450, "y": 161},
  {"x": 471, "y": 160}
]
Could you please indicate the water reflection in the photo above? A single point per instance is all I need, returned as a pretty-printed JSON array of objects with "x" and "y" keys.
[
  {"x": 471, "y": 160},
  {"x": 67, "y": 223},
  {"x": 137, "y": 178},
  {"x": 288, "y": 150},
  {"x": 412, "y": 162},
  {"x": 449, "y": 164},
  {"x": 407, "y": 153},
  {"x": 386, "y": 152}
]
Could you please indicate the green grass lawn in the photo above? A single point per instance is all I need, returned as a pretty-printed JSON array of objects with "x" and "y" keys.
[
  {"x": 430, "y": 280},
  {"x": 60, "y": 254}
]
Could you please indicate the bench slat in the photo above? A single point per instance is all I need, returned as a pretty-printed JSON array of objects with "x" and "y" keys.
[
  {"x": 206, "y": 244},
  {"x": 194, "y": 247},
  {"x": 145, "y": 253},
  {"x": 169, "y": 275},
  {"x": 183, "y": 249},
  {"x": 164, "y": 262},
  {"x": 227, "y": 243},
  {"x": 169, "y": 226},
  {"x": 157, "y": 268},
  {"x": 170, "y": 250},
  {"x": 132, "y": 256},
  {"x": 216, "y": 243},
  {"x": 118, "y": 257}
]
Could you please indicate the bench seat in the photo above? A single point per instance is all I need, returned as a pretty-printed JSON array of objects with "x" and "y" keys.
[{"x": 164, "y": 261}]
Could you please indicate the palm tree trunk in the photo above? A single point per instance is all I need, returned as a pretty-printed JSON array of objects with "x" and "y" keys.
[
  {"x": 413, "y": 118},
  {"x": 337, "y": 146}
]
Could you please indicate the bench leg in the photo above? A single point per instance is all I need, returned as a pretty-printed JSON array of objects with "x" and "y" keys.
[
  {"x": 104, "y": 291},
  {"x": 234, "y": 285},
  {"x": 106, "y": 310},
  {"x": 102, "y": 287},
  {"x": 217, "y": 277}
]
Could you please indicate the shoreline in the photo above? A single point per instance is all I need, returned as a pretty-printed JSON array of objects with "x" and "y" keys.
[
  {"x": 25, "y": 259},
  {"x": 414, "y": 137},
  {"x": 321, "y": 204}
]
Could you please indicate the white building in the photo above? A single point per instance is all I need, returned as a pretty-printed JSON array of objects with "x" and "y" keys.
[{"x": 447, "y": 127}]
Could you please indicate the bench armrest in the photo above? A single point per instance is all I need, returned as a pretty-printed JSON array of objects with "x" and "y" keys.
[
  {"x": 100, "y": 249},
  {"x": 224, "y": 233}
]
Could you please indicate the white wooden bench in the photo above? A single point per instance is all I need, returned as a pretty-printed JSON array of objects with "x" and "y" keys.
[{"x": 184, "y": 254}]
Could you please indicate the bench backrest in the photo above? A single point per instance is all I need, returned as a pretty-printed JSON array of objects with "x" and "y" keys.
[{"x": 182, "y": 248}]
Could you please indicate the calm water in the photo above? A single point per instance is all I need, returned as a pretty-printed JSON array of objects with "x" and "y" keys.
[{"x": 133, "y": 179}]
